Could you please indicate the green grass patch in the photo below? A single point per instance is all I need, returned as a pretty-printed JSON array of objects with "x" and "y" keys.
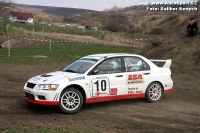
[
  {"x": 26, "y": 30},
  {"x": 40, "y": 54},
  {"x": 56, "y": 29},
  {"x": 75, "y": 31}
]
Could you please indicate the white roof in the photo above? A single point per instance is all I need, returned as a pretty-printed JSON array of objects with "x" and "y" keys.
[{"x": 99, "y": 56}]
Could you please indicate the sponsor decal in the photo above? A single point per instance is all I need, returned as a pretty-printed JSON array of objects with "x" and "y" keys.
[
  {"x": 113, "y": 91},
  {"x": 132, "y": 90},
  {"x": 76, "y": 79},
  {"x": 100, "y": 86},
  {"x": 99, "y": 77},
  {"x": 134, "y": 79},
  {"x": 100, "y": 93}
]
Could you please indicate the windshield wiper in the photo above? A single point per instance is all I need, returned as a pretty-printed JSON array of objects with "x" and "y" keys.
[{"x": 69, "y": 71}]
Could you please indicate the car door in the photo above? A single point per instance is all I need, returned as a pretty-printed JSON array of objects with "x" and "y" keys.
[
  {"x": 106, "y": 81},
  {"x": 138, "y": 75}
]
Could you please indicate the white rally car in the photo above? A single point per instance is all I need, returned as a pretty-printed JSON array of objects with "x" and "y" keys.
[{"x": 98, "y": 78}]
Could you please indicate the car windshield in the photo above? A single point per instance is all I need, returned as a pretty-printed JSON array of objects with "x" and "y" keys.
[{"x": 80, "y": 66}]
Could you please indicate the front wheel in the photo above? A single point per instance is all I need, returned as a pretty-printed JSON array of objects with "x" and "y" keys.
[
  {"x": 71, "y": 100},
  {"x": 154, "y": 92}
]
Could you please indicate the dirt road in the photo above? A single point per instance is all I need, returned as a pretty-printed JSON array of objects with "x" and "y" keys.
[{"x": 178, "y": 112}]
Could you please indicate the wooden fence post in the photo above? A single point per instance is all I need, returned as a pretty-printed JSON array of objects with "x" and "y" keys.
[
  {"x": 50, "y": 44},
  {"x": 8, "y": 47}
]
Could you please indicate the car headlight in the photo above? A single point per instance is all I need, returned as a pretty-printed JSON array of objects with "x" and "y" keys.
[{"x": 48, "y": 87}]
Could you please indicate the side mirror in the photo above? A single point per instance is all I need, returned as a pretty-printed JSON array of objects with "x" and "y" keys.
[{"x": 95, "y": 71}]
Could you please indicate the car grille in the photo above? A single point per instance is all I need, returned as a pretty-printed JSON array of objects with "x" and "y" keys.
[
  {"x": 30, "y": 96},
  {"x": 30, "y": 85}
]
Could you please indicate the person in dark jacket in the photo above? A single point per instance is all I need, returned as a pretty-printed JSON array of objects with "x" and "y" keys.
[{"x": 192, "y": 28}]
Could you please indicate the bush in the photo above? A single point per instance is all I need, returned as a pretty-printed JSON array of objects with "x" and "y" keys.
[
  {"x": 156, "y": 31},
  {"x": 144, "y": 25},
  {"x": 41, "y": 17},
  {"x": 134, "y": 29},
  {"x": 112, "y": 26},
  {"x": 156, "y": 42},
  {"x": 172, "y": 17},
  {"x": 153, "y": 18}
]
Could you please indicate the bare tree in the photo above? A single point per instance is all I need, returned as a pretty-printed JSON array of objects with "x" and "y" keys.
[{"x": 4, "y": 12}]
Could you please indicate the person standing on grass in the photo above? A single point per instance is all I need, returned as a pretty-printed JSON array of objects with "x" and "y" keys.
[{"x": 192, "y": 28}]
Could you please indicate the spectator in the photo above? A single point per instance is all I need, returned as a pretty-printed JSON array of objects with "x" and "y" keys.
[{"x": 192, "y": 28}]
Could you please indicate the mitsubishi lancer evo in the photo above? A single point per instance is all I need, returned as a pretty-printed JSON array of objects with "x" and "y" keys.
[{"x": 101, "y": 77}]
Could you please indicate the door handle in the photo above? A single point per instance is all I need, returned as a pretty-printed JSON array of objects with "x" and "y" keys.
[
  {"x": 119, "y": 76},
  {"x": 146, "y": 73}
]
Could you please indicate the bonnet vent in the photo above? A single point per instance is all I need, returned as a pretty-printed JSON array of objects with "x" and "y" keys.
[{"x": 45, "y": 75}]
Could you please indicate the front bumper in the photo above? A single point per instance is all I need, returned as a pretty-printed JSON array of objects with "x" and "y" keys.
[
  {"x": 42, "y": 102},
  {"x": 41, "y": 97}
]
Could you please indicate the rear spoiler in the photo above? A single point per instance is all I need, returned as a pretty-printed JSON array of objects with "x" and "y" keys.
[{"x": 167, "y": 62}]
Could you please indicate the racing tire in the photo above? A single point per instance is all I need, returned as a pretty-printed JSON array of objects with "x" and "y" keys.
[
  {"x": 71, "y": 100},
  {"x": 154, "y": 92}
]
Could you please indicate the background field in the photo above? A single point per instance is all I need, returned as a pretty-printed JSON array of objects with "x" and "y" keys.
[{"x": 61, "y": 53}]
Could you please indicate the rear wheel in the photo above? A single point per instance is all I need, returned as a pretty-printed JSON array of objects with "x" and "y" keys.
[
  {"x": 154, "y": 92},
  {"x": 71, "y": 100}
]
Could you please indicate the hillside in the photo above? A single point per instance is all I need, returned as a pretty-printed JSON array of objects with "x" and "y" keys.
[
  {"x": 60, "y": 11},
  {"x": 57, "y": 13}
]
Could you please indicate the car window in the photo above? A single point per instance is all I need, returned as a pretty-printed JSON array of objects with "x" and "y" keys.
[
  {"x": 80, "y": 66},
  {"x": 133, "y": 64},
  {"x": 112, "y": 65}
]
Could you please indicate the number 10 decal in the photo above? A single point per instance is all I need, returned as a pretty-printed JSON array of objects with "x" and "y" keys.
[
  {"x": 103, "y": 85},
  {"x": 100, "y": 87}
]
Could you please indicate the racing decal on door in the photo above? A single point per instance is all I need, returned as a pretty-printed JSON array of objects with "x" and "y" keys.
[
  {"x": 100, "y": 86},
  {"x": 134, "y": 90},
  {"x": 134, "y": 78},
  {"x": 113, "y": 91}
]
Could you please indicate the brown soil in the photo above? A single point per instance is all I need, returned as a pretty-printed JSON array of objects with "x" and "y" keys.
[{"x": 178, "y": 112}]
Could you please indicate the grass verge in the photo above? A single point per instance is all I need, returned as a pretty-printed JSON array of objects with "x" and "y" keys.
[{"x": 40, "y": 54}]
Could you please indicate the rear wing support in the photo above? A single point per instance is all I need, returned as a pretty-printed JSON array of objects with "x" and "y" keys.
[{"x": 167, "y": 62}]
